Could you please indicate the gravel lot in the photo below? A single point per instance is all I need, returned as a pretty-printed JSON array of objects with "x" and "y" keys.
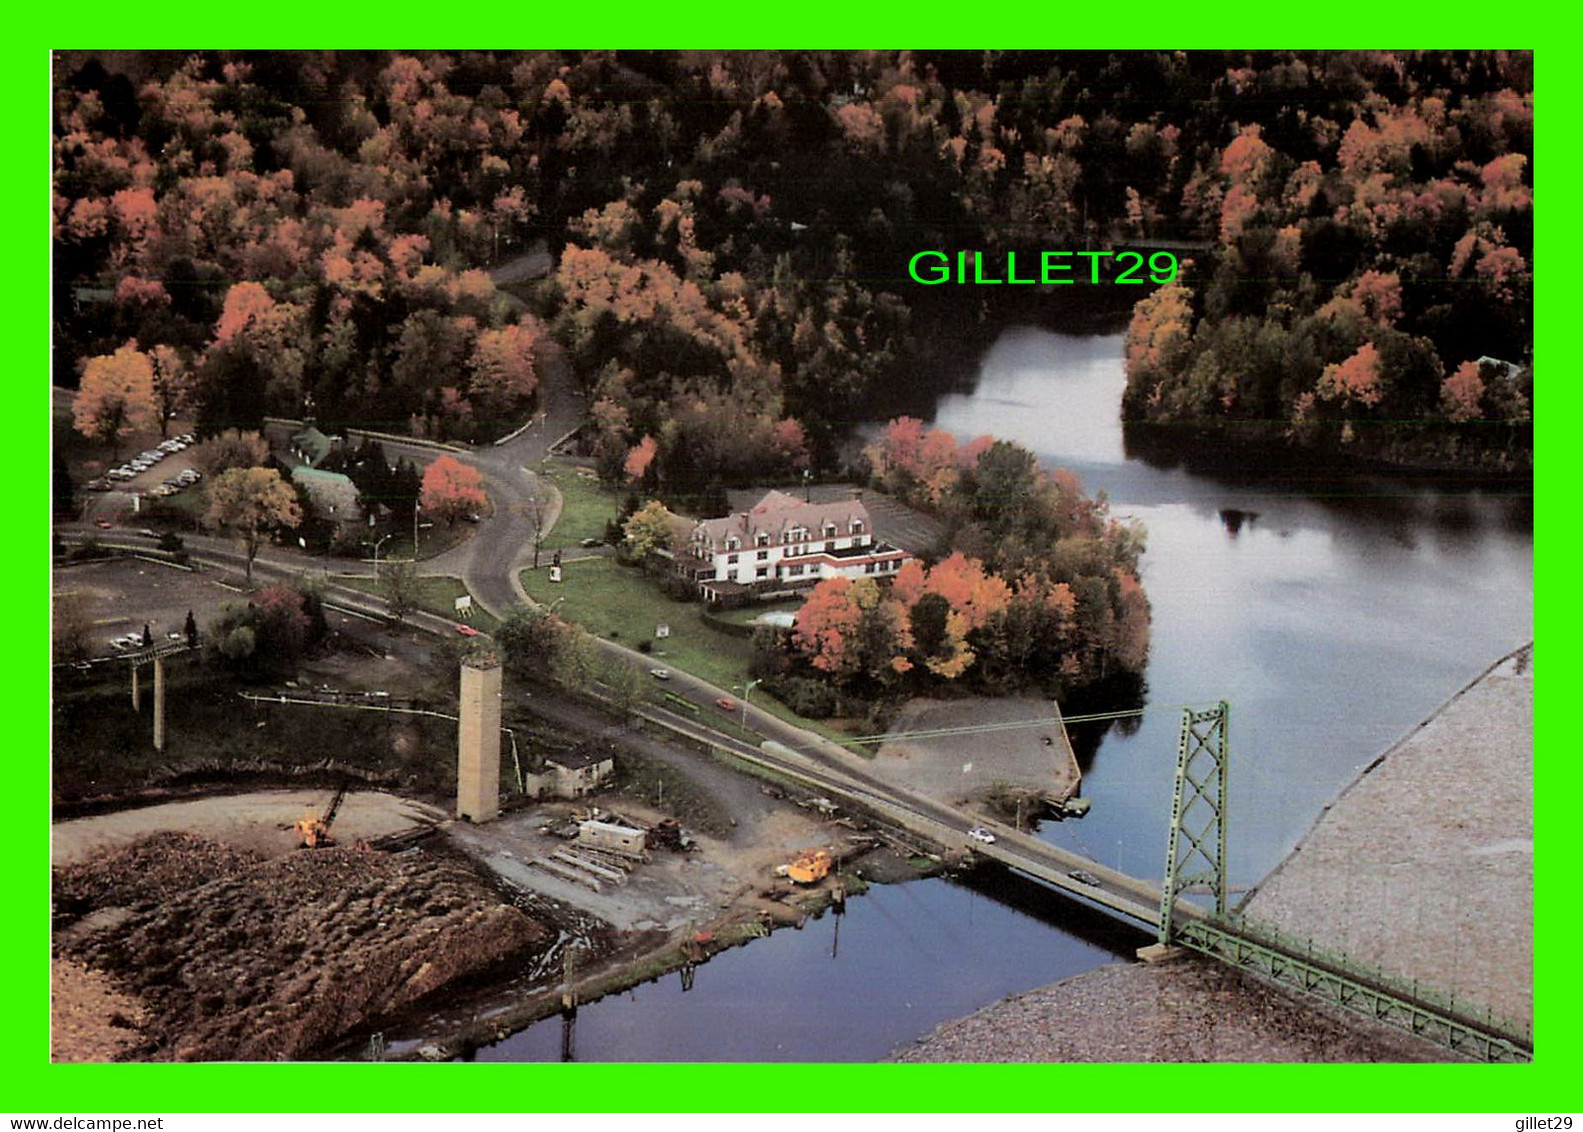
[
  {"x": 258, "y": 822},
  {"x": 124, "y": 594},
  {"x": 961, "y": 769}
]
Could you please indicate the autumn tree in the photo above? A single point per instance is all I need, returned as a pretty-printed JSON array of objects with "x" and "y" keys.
[
  {"x": 502, "y": 364},
  {"x": 174, "y": 385},
  {"x": 252, "y": 502},
  {"x": 1354, "y": 381},
  {"x": 116, "y": 397},
  {"x": 230, "y": 449},
  {"x": 452, "y": 489},
  {"x": 827, "y": 627},
  {"x": 399, "y": 581},
  {"x": 648, "y": 530}
]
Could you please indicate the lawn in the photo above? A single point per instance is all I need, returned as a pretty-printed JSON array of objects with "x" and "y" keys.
[
  {"x": 622, "y": 604},
  {"x": 586, "y": 505},
  {"x": 435, "y": 595}
]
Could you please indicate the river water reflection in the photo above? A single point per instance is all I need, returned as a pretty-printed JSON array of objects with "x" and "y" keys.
[{"x": 1333, "y": 613}]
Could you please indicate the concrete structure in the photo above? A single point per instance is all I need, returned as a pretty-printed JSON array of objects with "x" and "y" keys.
[
  {"x": 613, "y": 838},
  {"x": 159, "y": 703},
  {"x": 785, "y": 543},
  {"x": 570, "y": 775},
  {"x": 478, "y": 740}
]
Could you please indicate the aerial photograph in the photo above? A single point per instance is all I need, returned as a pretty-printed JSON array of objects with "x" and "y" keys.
[{"x": 874, "y": 557}]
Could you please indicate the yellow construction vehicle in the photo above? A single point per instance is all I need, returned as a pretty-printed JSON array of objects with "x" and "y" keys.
[
  {"x": 810, "y": 867},
  {"x": 315, "y": 832}
]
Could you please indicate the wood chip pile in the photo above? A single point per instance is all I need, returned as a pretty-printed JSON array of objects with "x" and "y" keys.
[{"x": 278, "y": 959}]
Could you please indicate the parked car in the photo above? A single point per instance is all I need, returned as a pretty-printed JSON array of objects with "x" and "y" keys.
[
  {"x": 466, "y": 630},
  {"x": 104, "y": 524},
  {"x": 590, "y": 543},
  {"x": 98, "y": 484},
  {"x": 979, "y": 833},
  {"x": 726, "y": 703},
  {"x": 1082, "y": 877},
  {"x": 660, "y": 673}
]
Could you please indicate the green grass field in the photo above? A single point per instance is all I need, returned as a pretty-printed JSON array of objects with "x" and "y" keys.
[
  {"x": 586, "y": 505},
  {"x": 622, "y": 604},
  {"x": 435, "y": 595}
]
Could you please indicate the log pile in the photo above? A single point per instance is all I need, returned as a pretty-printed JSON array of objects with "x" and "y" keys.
[{"x": 270, "y": 960}]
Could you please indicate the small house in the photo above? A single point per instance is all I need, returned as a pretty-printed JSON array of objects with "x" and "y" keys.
[{"x": 572, "y": 774}]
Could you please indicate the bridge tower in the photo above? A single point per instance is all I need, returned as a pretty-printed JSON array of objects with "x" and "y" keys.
[{"x": 1195, "y": 852}]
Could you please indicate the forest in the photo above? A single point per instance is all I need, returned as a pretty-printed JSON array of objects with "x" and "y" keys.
[
  {"x": 724, "y": 240},
  {"x": 309, "y": 232}
]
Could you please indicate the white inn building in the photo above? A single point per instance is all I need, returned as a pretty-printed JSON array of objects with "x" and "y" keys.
[{"x": 783, "y": 544}]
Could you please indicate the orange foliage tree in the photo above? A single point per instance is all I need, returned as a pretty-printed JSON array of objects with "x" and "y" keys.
[
  {"x": 116, "y": 397},
  {"x": 251, "y": 502},
  {"x": 451, "y": 489},
  {"x": 1356, "y": 380},
  {"x": 640, "y": 457},
  {"x": 827, "y": 627}
]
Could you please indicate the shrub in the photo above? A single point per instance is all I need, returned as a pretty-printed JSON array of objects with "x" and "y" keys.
[{"x": 811, "y": 699}]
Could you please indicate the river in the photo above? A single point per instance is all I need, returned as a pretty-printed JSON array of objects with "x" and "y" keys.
[{"x": 1332, "y": 612}]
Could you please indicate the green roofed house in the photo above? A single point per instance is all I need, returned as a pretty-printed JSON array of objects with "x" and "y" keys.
[
  {"x": 332, "y": 496},
  {"x": 311, "y": 446}
]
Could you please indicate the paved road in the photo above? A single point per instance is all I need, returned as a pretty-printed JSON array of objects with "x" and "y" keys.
[{"x": 826, "y": 765}]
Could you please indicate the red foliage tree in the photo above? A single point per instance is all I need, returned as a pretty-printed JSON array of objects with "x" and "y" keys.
[
  {"x": 827, "y": 628},
  {"x": 451, "y": 489},
  {"x": 640, "y": 457}
]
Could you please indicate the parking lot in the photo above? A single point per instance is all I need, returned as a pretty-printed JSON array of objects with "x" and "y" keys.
[
  {"x": 147, "y": 472},
  {"x": 122, "y": 487},
  {"x": 123, "y": 594}
]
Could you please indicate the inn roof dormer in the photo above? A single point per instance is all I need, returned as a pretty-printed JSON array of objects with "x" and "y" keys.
[{"x": 779, "y": 519}]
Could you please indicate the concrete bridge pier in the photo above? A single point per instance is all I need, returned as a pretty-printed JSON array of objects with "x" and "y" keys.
[
  {"x": 159, "y": 702},
  {"x": 137, "y": 699}
]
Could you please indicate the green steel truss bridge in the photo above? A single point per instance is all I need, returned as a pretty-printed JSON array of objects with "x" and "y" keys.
[{"x": 1195, "y": 862}]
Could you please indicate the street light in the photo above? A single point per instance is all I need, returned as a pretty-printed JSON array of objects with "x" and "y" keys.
[
  {"x": 751, "y": 685},
  {"x": 415, "y": 509},
  {"x": 377, "y": 545}
]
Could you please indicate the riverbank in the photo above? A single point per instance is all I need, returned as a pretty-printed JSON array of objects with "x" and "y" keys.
[
  {"x": 1423, "y": 865},
  {"x": 1188, "y": 1010}
]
